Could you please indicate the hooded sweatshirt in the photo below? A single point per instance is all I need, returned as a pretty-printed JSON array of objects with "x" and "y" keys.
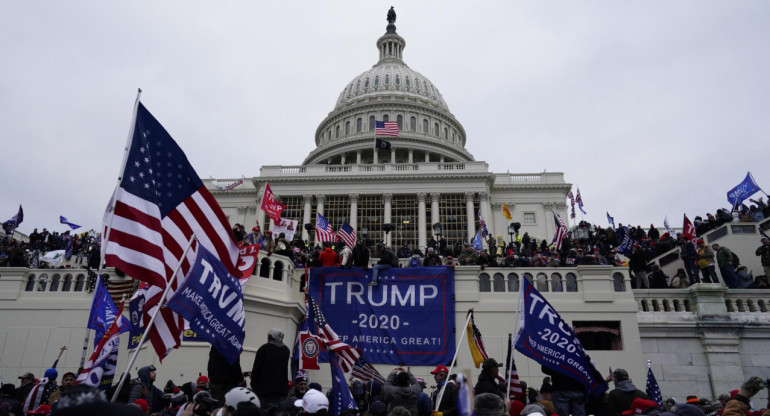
[{"x": 620, "y": 399}]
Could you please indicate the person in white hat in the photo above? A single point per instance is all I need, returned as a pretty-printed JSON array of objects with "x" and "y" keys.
[{"x": 313, "y": 403}]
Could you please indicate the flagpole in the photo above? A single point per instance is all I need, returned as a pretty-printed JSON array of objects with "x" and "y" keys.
[
  {"x": 152, "y": 319},
  {"x": 112, "y": 212},
  {"x": 451, "y": 366},
  {"x": 515, "y": 330}
]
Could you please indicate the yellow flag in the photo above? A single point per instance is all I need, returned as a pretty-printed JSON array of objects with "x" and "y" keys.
[
  {"x": 475, "y": 342},
  {"x": 506, "y": 212}
]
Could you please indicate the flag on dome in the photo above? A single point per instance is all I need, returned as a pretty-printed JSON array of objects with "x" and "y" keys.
[
  {"x": 271, "y": 205},
  {"x": 561, "y": 230},
  {"x": 159, "y": 204},
  {"x": 381, "y": 144},
  {"x": 63, "y": 220},
  {"x": 323, "y": 230},
  {"x": 507, "y": 212},
  {"x": 347, "y": 234},
  {"x": 386, "y": 128}
]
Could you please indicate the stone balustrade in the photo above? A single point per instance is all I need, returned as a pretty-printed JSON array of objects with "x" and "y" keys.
[{"x": 364, "y": 169}]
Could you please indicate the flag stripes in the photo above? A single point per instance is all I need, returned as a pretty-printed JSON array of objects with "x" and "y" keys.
[
  {"x": 561, "y": 230},
  {"x": 347, "y": 354}
]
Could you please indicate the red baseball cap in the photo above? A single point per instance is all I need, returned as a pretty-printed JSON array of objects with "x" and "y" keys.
[{"x": 440, "y": 369}]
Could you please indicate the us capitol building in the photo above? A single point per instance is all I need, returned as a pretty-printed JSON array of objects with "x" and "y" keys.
[{"x": 703, "y": 340}]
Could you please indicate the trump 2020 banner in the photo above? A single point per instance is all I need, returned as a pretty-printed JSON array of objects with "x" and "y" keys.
[
  {"x": 549, "y": 340},
  {"x": 210, "y": 298},
  {"x": 408, "y": 318}
]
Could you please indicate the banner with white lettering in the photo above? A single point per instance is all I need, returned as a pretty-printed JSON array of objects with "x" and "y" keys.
[
  {"x": 546, "y": 338},
  {"x": 409, "y": 317},
  {"x": 210, "y": 298}
]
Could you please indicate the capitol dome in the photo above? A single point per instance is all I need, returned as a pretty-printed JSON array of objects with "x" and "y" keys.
[{"x": 389, "y": 91}]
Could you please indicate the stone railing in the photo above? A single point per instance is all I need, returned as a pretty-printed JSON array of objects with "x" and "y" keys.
[
  {"x": 530, "y": 178},
  {"x": 704, "y": 299},
  {"x": 663, "y": 300},
  {"x": 363, "y": 169}
]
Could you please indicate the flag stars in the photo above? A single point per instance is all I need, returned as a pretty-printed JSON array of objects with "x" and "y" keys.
[{"x": 136, "y": 164}]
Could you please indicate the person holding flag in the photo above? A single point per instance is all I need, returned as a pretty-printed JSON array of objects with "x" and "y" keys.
[{"x": 448, "y": 405}]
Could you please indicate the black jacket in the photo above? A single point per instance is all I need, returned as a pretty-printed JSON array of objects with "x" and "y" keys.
[
  {"x": 270, "y": 373},
  {"x": 222, "y": 372},
  {"x": 487, "y": 384}
]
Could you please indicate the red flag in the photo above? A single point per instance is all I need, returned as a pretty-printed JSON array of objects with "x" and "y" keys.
[
  {"x": 309, "y": 347},
  {"x": 247, "y": 260},
  {"x": 688, "y": 230},
  {"x": 271, "y": 205}
]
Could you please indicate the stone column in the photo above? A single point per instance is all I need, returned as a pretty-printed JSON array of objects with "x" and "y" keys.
[
  {"x": 550, "y": 226},
  {"x": 422, "y": 240},
  {"x": 496, "y": 215},
  {"x": 353, "y": 211},
  {"x": 242, "y": 214},
  {"x": 358, "y": 157},
  {"x": 374, "y": 157},
  {"x": 411, "y": 156},
  {"x": 484, "y": 208},
  {"x": 393, "y": 155},
  {"x": 427, "y": 157},
  {"x": 320, "y": 198},
  {"x": 342, "y": 159},
  {"x": 387, "y": 199},
  {"x": 434, "y": 214},
  {"x": 307, "y": 199},
  {"x": 471, "y": 220}
]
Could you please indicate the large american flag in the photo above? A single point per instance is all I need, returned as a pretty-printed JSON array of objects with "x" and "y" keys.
[
  {"x": 512, "y": 375},
  {"x": 160, "y": 203},
  {"x": 347, "y": 234},
  {"x": 347, "y": 354},
  {"x": 364, "y": 371},
  {"x": 653, "y": 390},
  {"x": 386, "y": 128},
  {"x": 323, "y": 230},
  {"x": 561, "y": 230}
]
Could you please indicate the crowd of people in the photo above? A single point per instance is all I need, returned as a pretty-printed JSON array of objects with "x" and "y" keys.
[
  {"x": 20, "y": 253},
  {"x": 268, "y": 390}
]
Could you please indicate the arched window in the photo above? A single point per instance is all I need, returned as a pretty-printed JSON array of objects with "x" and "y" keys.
[
  {"x": 264, "y": 268},
  {"x": 366, "y": 83},
  {"x": 347, "y": 128},
  {"x": 484, "y": 283},
  {"x": 556, "y": 285},
  {"x": 400, "y": 121},
  {"x": 350, "y": 90},
  {"x": 42, "y": 282},
  {"x": 337, "y": 132},
  {"x": 571, "y": 283},
  {"x": 30, "y": 283},
  {"x": 67, "y": 286},
  {"x": 278, "y": 271},
  {"x": 619, "y": 282},
  {"x": 408, "y": 83},
  {"x": 425, "y": 126},
  {"x": 387, "y": 79},
  {"x": 358, "y": 86},
  {"x": 542, "y": 282},
  {"x": 359, "y": 125},
  {"x": 80, "y": 283},
  {"x": 385, "y": 118},
  {"x": 372, "y": 121},
  {"x": 435, "y": 129},
  {"x": 513, "y": 282},
  {"x": 55, "y": 283},
  {"x": 398, "y": 80},
  {"x": 446, "y": 133},
  {"x": 498, "y": 282},
  {"x": 413, "y": 124},
  {"x": 377, "y": 81},
  {"x": 417, "y": 84}
]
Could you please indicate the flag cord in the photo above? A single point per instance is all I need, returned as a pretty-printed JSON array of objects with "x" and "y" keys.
[
  {"x": 152, "y": 319},
  {"x": 112, "y": 215},
  {"x": 452, "y": 365}
]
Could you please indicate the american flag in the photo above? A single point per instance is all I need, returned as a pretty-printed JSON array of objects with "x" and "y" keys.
[
  {"x": 347, "y": 354},
  {"x": 364, "y": 371},
  {"x": 579, "y": 201},
  {"x": 483, "y": 226},
  {"x": 323, "y": 230},
  {"x": 347, "y": 234},
  {"x": 514, "y": 385},
  {"x": 653, "y": 390},
  {"x": 160, "y": 203},
  {"x": 561, "y": 230},
  {"x": 571, "y": 198},
  {"x": 386, "y": 128}
]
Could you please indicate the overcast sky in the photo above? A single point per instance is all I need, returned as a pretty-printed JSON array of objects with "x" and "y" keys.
[{"x": 652, "y": 108}]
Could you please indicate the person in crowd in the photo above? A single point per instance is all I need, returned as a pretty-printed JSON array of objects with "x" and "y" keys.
[
  {"x": 361, "y": 255},
  {"x": 745, "y": 277},
  {"x": 328, "y": 257},
  {"x": 488, "y": 404},
  {"x": 67, "y": 381},
  {"x": 568, "y": 394},
  {"x": 740, "y": 405},
  {"x": 726, "y": 265},
  {"x": 763, "y": 252},
  {"x": 423, "y": 400},
  {"x": 487, "y": 381},
  {"x": 401, "y": 389},
  {"x": 706, "y": 263},
  {"x": 638, "y": 265},
  {"x": 143, "y": 387},
  {"x": 760, "y": 282},
  {"x": 416, "y": 259},
  {"x": 679, "y": 280},
  {"x": 387, "y": 260},
  {"x": 42, "y": 391},
  {"x": 270, "y": 373},
  {"x": 431, "y": 259},
  {"x": 345, "y": 255},
  {"x": 658, "y": 279},
  {"x": 688, "y": 254},
  {"x": 300, "y": 386},
  {"x": 241, "y": 401},
  {"x": 404, "y": 252},
  {"x": 620, "y": 398},
  {"x": 27, "y": 383},
  {"x": 8, "y": 400},
  {"x": 448, "y": 404},
  {"x": 313, "y": 403}
]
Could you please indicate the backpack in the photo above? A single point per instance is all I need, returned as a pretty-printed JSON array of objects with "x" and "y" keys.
[{"x": 736, "y": 260}]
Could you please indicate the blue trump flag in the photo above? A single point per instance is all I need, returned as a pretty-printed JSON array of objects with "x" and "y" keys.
[
  {"x": 477, "y": 244},
  {"x": 210, "y": 298},
  {"x": 103, "y": 313},
  {"x": 626, "y": 242},
  {"x": 342, "y": 398},
  {"x": 63, "y": 220},
  {"x": 408, "y": 318},
  {"x": 14, "y": 222},
  {"x": 549, "y": 340},
  {"x": 742, "y": 191}
]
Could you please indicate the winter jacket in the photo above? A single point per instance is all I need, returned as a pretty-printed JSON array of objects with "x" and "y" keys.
[
  {"x": 328, "y": 258},
  {"x": 405, "y": 396},
  {"x": 487, "y": 384},
  {"x": 270, "y": 372},
  {"x": 764, "y": 252},
  {"x": 620, "y": 399}
]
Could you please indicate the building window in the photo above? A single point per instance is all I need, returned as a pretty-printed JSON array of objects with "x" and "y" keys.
[
  {"x": 484, "y": 283},
  {"x": 372, "y": 122},
  {"x": 359, "y": 125},
  {"x": 435, "y": 129},
  {"x": 398, "y": 80},
  {"x": 454, "y": 218},
  {"x": 366, "y": 83},
  {"x": 337, "y": 132},
  {"x": 413, "y": 124},
  {"x": 417, "y": 84},
  {"x": 599, "y": 335},
  {"x": 408, "y": 83},
  {"x": 370, "y": 217},
  {"x": 400, "y": 121},
  {"x": 529, "y": 218},
  {"x": 358, "y": 85},
  {"x": 446, "y": 133},
  {"x": 404, "y": 211},
  {"x": 387, "y": 79},
  {"x": 425, "y": 126},
  {"x": 377, "y": 81},
  {"x": 385, "y": 118},
  {"x": 347, "y": 128}
]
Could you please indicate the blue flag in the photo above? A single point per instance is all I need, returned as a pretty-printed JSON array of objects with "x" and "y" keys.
[
  {"x": 14, "y": 222},
  {"x": 210, "y": 298},
  {"x": 626, "y": 242},
  {"x": 68, "y": 249},
  {"x": 103, "y": 312},
  {"x": 546, "y": 338},
  {"x": 342, "y": 398},
  {"x": 653, "y": 390},
  {"x": 63, "y": 220},
  {"x": 610, "y": 219},
  {"x": 483, "y": 226},
  {"x": 477, "y": 245},
  {"x": 742, "y": 191},
  {"x": 136, "y": 311}
]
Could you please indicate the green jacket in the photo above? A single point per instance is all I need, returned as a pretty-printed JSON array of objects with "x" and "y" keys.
[
  {"x": 764, "y": 252},
  {"x": 724, "y": 256}
]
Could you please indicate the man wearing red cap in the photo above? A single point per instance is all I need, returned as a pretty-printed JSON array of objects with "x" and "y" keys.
[{"x": 448, "y": 405}]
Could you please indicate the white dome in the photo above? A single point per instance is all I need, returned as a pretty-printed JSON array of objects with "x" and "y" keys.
[{"x": 390, "y": 77}]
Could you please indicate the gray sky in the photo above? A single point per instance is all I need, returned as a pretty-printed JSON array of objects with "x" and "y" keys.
[{"x": 652, "y": 108}]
